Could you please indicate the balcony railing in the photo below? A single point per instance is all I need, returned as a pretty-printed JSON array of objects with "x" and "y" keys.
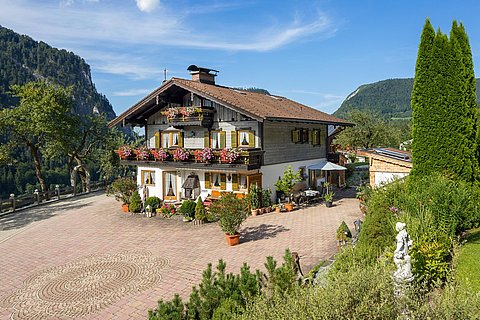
[{"x": 246, "y": 159}]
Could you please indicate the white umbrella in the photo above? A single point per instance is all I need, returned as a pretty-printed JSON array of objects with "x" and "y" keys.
[{"x": 326, "y": 166}]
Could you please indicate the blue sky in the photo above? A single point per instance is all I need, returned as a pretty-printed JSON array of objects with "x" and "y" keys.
[{"x": 314, "y": 52}]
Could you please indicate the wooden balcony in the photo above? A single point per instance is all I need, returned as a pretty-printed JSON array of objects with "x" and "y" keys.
[
  {"x": 249, "y": 159},
  {"x": 203, "y": 118}
]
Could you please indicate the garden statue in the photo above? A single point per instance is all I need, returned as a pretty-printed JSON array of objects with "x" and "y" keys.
[{"x": 401, "y": 258}]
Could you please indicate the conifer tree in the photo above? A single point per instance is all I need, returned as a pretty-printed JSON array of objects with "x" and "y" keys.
[{"x": 445, "y": 115}]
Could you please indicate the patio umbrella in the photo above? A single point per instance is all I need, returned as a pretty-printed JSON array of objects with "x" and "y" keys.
[{"x": 326, "y": 166}]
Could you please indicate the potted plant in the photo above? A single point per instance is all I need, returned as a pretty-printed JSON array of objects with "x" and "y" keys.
[
  {"x": 231, "y": 212},
  {"x": 254, "y": 199},
  {"x": 286, "y": 184},
  {"x": 277, "y": 208},
  {"x": 328, "y": 199},
  {"x": 187, "y": 209},
  {"x": 267, "y": 199},
  {"x": 122, "y": 189},
  {"x": 167, "y": 210}
]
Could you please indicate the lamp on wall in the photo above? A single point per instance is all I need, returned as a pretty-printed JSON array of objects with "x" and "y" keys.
[{"x": 229, "y": 177}]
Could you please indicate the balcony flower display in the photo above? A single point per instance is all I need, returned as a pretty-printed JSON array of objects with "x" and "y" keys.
[
  {"x": 143, "y": 153},
  {"x": 160, "y": 154},
  {"x": 204, "y": 155},
  {"x": 229, "y": 155},
  {"x": 180, "y": 154},
  {"x": 124, "y": 152},
  {"x": 172, "y": 112}
]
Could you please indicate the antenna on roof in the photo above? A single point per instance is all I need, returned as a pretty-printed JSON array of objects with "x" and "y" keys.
[{"x": 165, "y": 74}]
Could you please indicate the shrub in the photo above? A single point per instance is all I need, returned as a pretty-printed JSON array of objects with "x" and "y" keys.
[
  {"x": 154, "y": 202},
  {"x": 187, "y": 209},
  {"x": 431, "y": 261},
  {"x": 343, "y": 232},
  {"x": 266, "y": 197},
  {"x": 122, "y": 189},
  {"x": 135, "y": 202},
  {"x": 200, "y": 211},
  {"x": 254, "y": 197}
]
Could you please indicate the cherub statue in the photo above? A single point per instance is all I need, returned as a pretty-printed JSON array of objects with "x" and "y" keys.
[{"x": 400, "y": 256}]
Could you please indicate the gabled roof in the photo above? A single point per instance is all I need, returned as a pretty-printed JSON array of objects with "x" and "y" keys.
[{"x": 255, "y": 105}]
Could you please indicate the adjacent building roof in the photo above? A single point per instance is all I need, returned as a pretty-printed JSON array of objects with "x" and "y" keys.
[{"x": 255, "y": 105}]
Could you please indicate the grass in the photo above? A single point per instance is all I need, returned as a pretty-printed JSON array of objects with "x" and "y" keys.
[{"x": 468, "y": 262}]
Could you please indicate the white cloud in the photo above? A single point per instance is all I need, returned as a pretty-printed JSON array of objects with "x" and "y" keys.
[
  {"x": 147, "y": 5},
  {"x": 66, "y": 3},
  {"x": 132, "y": 92}
]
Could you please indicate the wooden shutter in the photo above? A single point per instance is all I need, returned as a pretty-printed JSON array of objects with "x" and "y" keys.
[
  {"x": 310, "y": 136},
  {"x": 234, "y": 142},
  {"x": 206, "y": 139},
  {"x": 223, "y": 181},
  {"x": 251, "y": 139},
  {"x": 158, "y": 140},
  {"x": 295, "y": 136},
  {"x": 234, "y": 182},
  {"x": 223, "y": 139},
  {"x": 180, "y": 139},
  {"x": 208, "y": 184}
]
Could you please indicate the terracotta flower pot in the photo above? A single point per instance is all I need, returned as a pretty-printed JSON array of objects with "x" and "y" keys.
[
  {"x": 278, "y": 209},
  {"x": 232, "y": 240},
  {"x": 254, "y": 212},
  {"x": 289, "y": 206},
  {"x": 125, "y": 207}
]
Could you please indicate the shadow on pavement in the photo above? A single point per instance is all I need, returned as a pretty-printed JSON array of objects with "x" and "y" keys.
[
  {"x": 263, "y": 231},
  {"x": 23, "y": 218}
]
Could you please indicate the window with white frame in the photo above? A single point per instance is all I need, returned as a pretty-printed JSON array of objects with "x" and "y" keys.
[{"x": 215, "y": 139}]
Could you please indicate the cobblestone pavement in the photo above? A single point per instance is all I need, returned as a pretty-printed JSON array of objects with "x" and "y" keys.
[{"x": 86, "y": 259}]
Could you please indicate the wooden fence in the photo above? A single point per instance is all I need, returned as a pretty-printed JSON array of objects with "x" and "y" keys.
[{"x": 16, "y": 202}]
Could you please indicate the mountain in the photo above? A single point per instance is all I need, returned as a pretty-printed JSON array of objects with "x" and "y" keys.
[
  {"x": 390, "y": 98},
  {"x": 23, "y": 59}
]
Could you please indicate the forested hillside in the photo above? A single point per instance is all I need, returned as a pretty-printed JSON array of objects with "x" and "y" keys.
[
  {"x": 23, "y": 59},
  {"x": 389, "y": 98}
]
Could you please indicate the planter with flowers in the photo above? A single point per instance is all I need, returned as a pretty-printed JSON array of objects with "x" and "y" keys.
[
  {"x": 125, "y": 151},
  {"x": 180, "y": 154},
  {"x": 182, "y": 113},
  {"x": 167, "y": 210},
  {"x": 143, "y": 153},
  {"x": 122, "y": 189},
  {"x": 229, "y": 155},
  {"x": 159, "y": 154},
  {"x": 286, "y": 184}
]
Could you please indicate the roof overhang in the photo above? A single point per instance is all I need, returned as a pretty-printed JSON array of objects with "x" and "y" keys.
[{"x": 291, "y": 120}]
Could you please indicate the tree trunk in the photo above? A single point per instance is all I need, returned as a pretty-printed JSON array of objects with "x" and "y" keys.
[{"x": 38, "y": 168}]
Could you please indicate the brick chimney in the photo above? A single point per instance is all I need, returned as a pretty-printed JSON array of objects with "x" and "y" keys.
[{"x": 203, "y": 75}]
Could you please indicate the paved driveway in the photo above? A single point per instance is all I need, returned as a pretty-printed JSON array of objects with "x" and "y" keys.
[{"x": 84, "y": 258}]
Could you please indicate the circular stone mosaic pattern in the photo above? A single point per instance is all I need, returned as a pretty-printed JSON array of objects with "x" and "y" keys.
[{"x": 85, "y": 285}]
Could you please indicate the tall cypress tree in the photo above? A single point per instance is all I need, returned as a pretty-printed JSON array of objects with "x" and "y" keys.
[
  {"x": 422, "y": 101},
  {"x": 445, "y": 116}
]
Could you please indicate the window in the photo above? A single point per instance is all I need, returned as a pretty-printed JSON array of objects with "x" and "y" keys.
[
  {"x": 317, "y": 137},
  {"x": 171, "y": 139},
  {"x": 301, "y": 135},
  {"x": 169, "y": 185},
  {"x": 217, "y": 139},
  {"x": 239, "y": 182},
  {"x": 246, "y": 138},
  {"x": 148, "y": 177},
  {"x": 215, "y": 180}
]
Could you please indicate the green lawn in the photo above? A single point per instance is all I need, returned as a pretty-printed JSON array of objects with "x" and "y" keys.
[{"x": 468, "y": 262}]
